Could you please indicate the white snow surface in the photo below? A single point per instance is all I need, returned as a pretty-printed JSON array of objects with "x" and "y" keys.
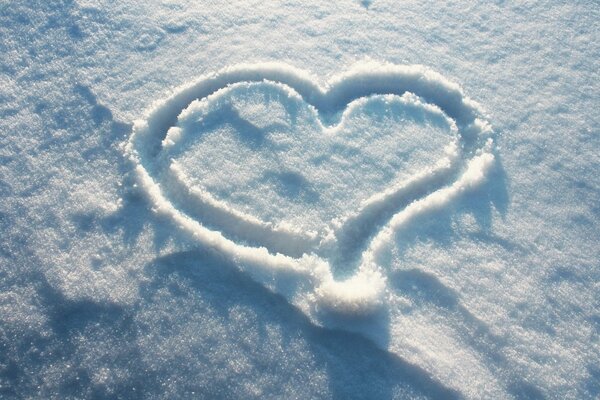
[{"x": 299, "y": 199}]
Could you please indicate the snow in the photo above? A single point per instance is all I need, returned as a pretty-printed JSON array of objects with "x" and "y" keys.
[{"x": 353, "y": 199}]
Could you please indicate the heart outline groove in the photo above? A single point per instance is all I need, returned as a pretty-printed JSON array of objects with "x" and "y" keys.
[{"x": 305, "y": 278}]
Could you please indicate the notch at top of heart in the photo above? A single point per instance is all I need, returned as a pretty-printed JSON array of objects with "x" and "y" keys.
[{"x": 363, "y": 79}]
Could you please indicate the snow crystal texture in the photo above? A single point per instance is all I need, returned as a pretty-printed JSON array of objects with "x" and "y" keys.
[{"x": 302, "y": 199}]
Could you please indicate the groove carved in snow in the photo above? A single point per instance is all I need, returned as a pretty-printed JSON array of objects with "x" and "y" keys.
[{"x": 308, "y": 204}]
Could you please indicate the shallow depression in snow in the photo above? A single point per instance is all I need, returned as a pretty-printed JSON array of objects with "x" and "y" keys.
[{"x": 263, "y": 151}]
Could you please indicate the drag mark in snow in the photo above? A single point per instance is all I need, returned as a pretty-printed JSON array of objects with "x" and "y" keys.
[{"x": 332, "y": 268}]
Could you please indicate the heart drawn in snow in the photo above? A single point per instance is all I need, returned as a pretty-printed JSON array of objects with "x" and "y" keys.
[{"x": 301, "y": 184}]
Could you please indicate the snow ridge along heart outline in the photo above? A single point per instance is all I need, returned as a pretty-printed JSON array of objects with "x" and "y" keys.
[{"x": 286, "y": 260}]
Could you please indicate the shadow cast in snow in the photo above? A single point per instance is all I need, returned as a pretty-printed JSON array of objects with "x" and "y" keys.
[
  {"x": 56, "y": 361},
  {"x": 135, "y": 211},
  {"x": 356, "y": 367},
  {"x": 251, "y": 135},
  {"x": 425, "y": 289},
  {"x": 480, "y": 202},
  {"x": 292, "y": 185}
]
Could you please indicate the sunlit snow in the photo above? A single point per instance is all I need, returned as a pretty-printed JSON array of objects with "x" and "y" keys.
[{"x": 312, "y": 200}]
